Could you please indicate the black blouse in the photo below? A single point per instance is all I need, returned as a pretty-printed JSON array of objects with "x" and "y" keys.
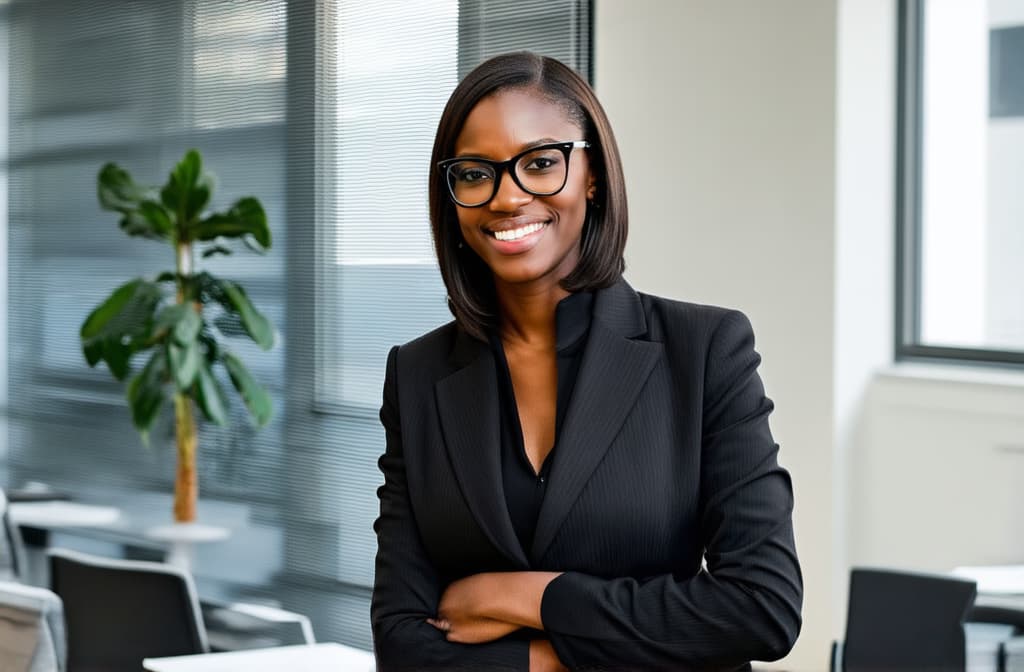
[{"x": 525, "y": 488}]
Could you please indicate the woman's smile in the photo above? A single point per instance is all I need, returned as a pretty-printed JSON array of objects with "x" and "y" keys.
[{"x": 516, "y": 235}]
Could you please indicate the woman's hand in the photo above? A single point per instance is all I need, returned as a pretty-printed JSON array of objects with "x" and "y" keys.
[
  {"x": 466, "y": 613},
  {"x": 473, "y": 630}
]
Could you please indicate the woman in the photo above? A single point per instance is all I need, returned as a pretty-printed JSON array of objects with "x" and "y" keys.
[{"x": 563, "y": 457}]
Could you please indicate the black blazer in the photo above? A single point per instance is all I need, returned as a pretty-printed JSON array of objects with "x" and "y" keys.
[{"x": 664, "y": 458}]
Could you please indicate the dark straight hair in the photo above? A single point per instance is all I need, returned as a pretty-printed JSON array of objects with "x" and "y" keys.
[{"x": 469, "y": 281}]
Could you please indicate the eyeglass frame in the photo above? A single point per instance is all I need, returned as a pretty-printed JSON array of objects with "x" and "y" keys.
[{"x": 501, "y": 167}]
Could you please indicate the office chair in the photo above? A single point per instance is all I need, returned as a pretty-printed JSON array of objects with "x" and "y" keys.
[
  {"x": 121, "y": 611},
  {"x": 31, "y": 629},
  {"x": 237, "y": 626},
  {"x": 904, "y": 621},
  {"x": 12, "y": 549}
]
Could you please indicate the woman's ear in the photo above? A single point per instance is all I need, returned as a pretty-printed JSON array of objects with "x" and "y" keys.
[{"x": 591, "y": 188}]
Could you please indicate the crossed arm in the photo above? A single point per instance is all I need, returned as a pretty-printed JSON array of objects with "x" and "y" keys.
[{"x": 485, "y": 607}]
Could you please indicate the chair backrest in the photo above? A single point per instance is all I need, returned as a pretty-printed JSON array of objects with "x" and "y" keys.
[
  {"x": 240, "y": 625},
  {"x": 31, "y": 629},
  {"x": 906, "y": 621},
  {"x": 12, "y": 551},
  {"x": 121, "y": 611}
]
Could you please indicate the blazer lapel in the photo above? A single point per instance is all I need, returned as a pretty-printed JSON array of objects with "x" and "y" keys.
[
  {"x": 467, "y": 403},
  {"x": 611, "y": 376}
]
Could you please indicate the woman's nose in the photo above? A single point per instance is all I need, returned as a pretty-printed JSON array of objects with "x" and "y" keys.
[{"x": 509, "y": 196}]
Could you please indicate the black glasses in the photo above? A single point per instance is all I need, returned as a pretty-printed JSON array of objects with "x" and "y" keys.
[{"x": 541, "y": 171}]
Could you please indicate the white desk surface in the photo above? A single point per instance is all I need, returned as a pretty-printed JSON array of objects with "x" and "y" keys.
[
  {"x": 303, "y": 658},
  {"x": 995, "y": 579},
  {"x": 62, "y": 514}
]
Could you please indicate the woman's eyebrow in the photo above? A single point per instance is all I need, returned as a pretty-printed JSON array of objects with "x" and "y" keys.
[{"x": 470, "y": 154}]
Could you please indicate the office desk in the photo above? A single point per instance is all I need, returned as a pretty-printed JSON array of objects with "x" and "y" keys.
[
  {"x": 62, "y": 514},
  {"x": 326, "y": 657},
  {"x": 136, "y": 526}
]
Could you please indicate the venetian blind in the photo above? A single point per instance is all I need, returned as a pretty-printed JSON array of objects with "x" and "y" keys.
[{"x": 325, "y": 111}]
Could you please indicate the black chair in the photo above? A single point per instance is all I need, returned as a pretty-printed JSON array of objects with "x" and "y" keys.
[
  {"x": 904, "y": 621},
  {"x": 121, "y": 611},
  {"x": 993, "y": 610}
]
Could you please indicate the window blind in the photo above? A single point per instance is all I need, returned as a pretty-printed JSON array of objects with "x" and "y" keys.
[{"x": 325, "y": 112}]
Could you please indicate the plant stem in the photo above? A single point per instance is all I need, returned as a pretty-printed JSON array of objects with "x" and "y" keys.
[
  {"x": 184, "y": 263},
  {"x": 186, "y": 482}
]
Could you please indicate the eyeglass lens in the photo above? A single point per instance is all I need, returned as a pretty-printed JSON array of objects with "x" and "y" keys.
[{"x": 541, "y": 172}]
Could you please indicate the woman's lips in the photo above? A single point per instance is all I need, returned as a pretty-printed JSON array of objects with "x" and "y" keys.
[
  {"x": 516, "y": 239},
  {"x": 509, "y": 235}
]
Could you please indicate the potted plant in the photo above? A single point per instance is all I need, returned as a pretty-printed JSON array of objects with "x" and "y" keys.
[{"x": 180, "y": 318}]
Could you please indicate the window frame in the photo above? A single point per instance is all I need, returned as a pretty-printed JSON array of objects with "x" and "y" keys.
[{"x": 909, "y": 146}]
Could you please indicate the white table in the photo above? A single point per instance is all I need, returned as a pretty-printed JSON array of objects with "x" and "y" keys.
[
  {"x": 326, "y": 657},
  {"x": 62, "y": 514}
]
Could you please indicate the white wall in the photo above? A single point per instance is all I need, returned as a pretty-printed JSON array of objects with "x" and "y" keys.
[
  {"x": 938, "y": 480},
  {"x": 864, "y": 250},
  {"x": 725, "y": 114}
]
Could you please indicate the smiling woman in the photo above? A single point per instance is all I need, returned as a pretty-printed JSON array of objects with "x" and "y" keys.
[{"x": 577, "y": 475}]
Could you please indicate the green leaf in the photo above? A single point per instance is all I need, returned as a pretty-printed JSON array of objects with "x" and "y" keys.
[
  {"x": 235, "y": 301},
  {"x": 188, "y": 189},
  {"x": 93, "y": 351},
  {"x": 256, "y": 399},
  {"x": 185, "y": 361},
  {"x": 216, "y": 249},
  {"x": 210, "y": 396},
  {"x": 245, "y": 218},
  {"x": 118, "y": 358},
  {"x": 257, "y": 326},
  {"x": 230, "y": 324},
  {"x": 106, "y": 311},
  {"x": 134, "y": 224},
  {"x": 146, "y": 394},
  {"x": 157, "y": 217},
  {"x": 117, "y": 191},
  {"x": 182, "y": 319},
  {"x": 211, "y": 344},
  {"x": 120, "y": 326}
]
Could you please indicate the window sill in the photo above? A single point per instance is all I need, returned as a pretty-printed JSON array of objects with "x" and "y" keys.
[{"x": 955, "y": 374}]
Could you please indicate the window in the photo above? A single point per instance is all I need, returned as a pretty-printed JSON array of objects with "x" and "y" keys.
[
  {"x": 307, "y": 106},
  {"x": 384, "y": 100},
  {"x": 960, "y": 201}
]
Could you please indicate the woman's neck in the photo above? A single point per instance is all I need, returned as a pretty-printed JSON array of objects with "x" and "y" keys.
[{"x": 528, "y": 312}]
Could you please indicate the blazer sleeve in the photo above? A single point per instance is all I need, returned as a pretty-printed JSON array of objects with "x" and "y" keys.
[
  {"x": 406, "y": 589},
  {"x": 746, "y": 604}
]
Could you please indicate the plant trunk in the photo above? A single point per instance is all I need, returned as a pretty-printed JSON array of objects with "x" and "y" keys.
[{"x": 186, "y": 482}]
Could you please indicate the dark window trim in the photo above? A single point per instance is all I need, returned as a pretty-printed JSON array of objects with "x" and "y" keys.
[{"x": 907, "y": 345}]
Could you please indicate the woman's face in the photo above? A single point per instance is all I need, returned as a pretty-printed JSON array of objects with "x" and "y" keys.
[{"x": 539, "y": 235}]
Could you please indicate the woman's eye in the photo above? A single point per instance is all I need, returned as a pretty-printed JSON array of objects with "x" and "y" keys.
[
  {"x": 541, "y": 163},
  {"x": 472, "y": 175}
]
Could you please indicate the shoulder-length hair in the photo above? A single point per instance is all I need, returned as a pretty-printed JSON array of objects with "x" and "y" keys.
[{"x": 469, "y": 281}]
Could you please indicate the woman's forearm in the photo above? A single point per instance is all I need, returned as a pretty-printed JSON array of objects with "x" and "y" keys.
[
  {"x": 473, "y": 609},
  {"x": 517, "y": 597},
  {"x": 543, "y": 657}
]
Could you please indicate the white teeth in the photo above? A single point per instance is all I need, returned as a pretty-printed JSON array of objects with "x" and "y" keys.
[{"x": 516, "y": 234}]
